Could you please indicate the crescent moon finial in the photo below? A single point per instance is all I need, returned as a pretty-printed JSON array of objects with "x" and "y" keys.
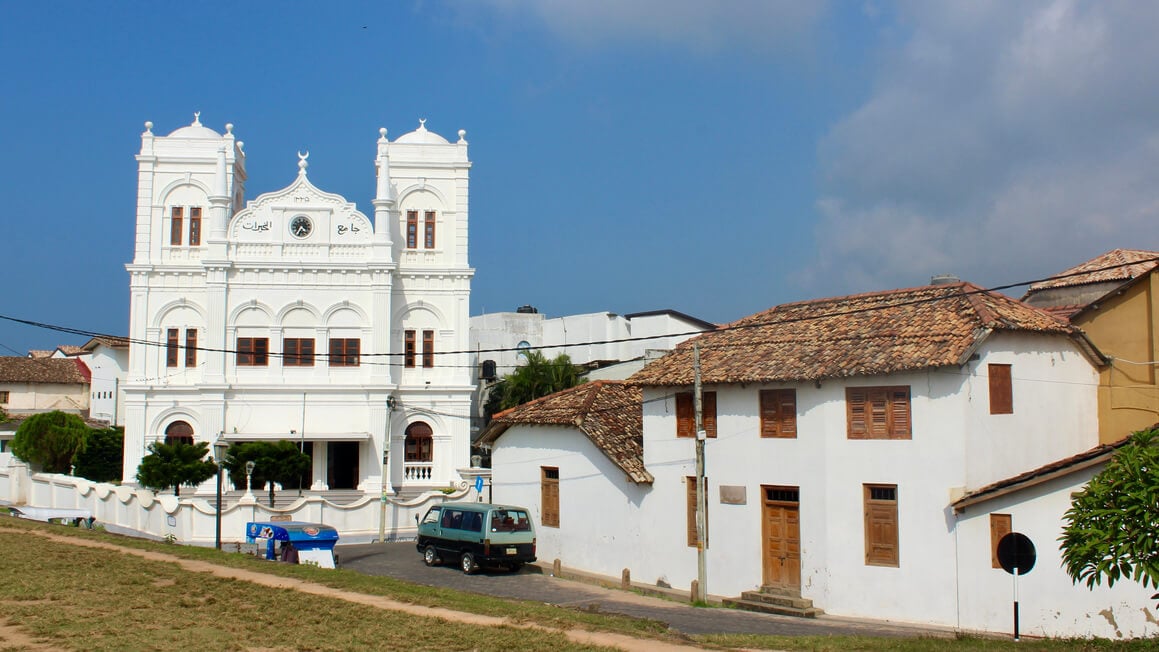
[{"x": 302, "y": 162}]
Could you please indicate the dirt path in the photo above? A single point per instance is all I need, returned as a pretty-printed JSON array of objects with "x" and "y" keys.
[{"x": 10, "y": 633}]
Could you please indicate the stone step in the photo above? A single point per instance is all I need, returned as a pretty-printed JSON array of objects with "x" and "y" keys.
[
  {"x": 781, "y": 600},
  {"x": 772, "y": 608}
]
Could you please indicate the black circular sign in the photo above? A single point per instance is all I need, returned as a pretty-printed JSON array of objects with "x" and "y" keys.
[{"x": 1015, "y": 550}]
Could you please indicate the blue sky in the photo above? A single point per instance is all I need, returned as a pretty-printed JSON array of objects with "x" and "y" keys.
[{"x": 627, "y": 156}]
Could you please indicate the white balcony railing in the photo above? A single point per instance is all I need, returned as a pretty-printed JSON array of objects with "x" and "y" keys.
[{"x": 418, "y": 472}]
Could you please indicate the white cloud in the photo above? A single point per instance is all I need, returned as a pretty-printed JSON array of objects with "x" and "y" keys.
[
  {"x": 702, "y": 26},
  {"x": 1001, "y": 141}
]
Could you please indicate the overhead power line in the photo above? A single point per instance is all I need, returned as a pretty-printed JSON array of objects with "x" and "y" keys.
[{"x": 367, "y": 358}]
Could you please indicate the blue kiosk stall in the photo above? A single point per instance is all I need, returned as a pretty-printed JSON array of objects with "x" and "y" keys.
[{"x": 300, "y": 543}]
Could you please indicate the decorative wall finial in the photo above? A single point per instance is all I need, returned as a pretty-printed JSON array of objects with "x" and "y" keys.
[
  {"x": 382, "y": 134},
  {"x": 462, "y": 135},
  {"x": 196, "y": 118},
  {"x": 148, "y": 126},
  {"x": 229, "y": 128},
  {"x": 302, "y": 162},
  {"x": 422, "y": 124}
]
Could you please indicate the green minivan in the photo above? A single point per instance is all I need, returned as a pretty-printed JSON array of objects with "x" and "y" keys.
[{"x": 477, "y": 534}]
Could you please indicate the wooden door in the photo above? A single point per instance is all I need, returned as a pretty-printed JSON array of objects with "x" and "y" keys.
[{"x": 781, "y": 532}]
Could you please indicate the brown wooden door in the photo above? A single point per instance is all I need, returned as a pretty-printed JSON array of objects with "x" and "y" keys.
[{"x": 781, "y": 532}]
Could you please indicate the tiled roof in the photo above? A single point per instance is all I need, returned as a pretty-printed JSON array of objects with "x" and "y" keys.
[
  {"x": 39, "y": 353},
  {"x": 1116, "y": 265},
  {"x": 107, "y": 340},
  {"x": 859, "y": 335},
  {"x": 69, "y": 349},
  {"x": 610, "y": 414},
  {"x": 1087, "y": 458},
  {"x": 42, "y": 370}
]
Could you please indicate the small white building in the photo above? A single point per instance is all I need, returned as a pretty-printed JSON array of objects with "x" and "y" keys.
[
  {"x": 297, "y": 316},
  {"x": 839, "y": 434},
  {"x": 108, "y": 358},
  {"x": 588, "y": 339}
]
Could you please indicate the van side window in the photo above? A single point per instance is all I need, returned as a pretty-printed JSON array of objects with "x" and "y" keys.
[
  {"x": 432, "y": 516},
  {"x": 472, "y": 521},
  {"x": 456, "y": 519}
]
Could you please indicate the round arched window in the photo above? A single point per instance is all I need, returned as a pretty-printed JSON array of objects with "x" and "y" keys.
[
  {"x": 179, "y": 431},
  {"x": 418, "y": 442}
]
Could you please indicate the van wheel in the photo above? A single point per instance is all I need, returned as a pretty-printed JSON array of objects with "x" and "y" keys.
[
  {"x": 467, "y": 563},
  {"x": 430, "y": 556}
]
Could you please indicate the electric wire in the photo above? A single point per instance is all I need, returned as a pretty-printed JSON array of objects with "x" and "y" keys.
[{"x": 367, "y": 358}]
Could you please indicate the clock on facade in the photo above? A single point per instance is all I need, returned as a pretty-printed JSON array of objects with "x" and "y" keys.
[{"x": 301, "y": 226}]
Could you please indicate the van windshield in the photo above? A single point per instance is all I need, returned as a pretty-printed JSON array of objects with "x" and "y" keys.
[{"x": 510, "y": 520}]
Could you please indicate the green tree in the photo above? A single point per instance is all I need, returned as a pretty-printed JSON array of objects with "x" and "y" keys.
[
  {"x": 51, "y": 440},
  {"x": 536, "y": 377},
  {"x": 175, "y": 465},
  {"x": 103, "y": 456},
  {"x": 274, "y": 462},
  {"x": 1110, "y": 529}
]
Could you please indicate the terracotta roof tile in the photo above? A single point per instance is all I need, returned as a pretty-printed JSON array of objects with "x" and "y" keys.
[
  {"x": 69, "y": 349},
  {"x": 1123, "y": 264},
  {"x": 610, "y": 413},
  {"x": 41, "y": 370},
  {"x": 111, "y": 341},
  {"x": 39, "y": 353},
  {"x": 1054, "y": 469},
  {"x": 859, "y": 335}
]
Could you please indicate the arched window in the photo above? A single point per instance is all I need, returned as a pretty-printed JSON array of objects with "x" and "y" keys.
[
  {"x": 418, "y": 442},
  {"x": 179, "y": 431}
]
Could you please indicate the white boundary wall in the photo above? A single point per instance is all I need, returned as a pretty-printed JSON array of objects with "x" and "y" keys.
[{"x": 192, "y": 520}]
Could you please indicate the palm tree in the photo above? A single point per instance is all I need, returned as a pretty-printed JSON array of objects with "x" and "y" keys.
[{"x": 536, "y": 377}]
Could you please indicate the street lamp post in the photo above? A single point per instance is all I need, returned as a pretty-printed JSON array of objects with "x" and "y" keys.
[
  {"x": 219, "y": 448},
  {"x": 249, "y": 471}
]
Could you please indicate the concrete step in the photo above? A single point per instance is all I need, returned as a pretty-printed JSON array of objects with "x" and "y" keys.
[
  {"x": 773, "y": 608},
  {"x": 781, "y": 600}
]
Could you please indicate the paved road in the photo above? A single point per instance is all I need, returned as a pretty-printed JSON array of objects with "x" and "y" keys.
[{"x": 402, "y": 561}]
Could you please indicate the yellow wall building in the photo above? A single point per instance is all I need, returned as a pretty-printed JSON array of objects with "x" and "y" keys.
[{"x": 1114, "y": 299}]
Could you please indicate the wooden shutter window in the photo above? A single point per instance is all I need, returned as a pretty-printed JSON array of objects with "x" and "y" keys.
[
  {"x": 171, "y": 348},
  {"x": 1000, "y": 526},
  {"x": 878, "y": 413},
  {"x": 685, "y": 418},
  {"x": 428, "y": 349},
  {"x": 690, "y": 502},
  {"x": 409, "y": 350},
  {"x": 176, "y": 222},
  {"x": 191, "y": 347},
  {"x": 899, "y": 413},
  {"x": 708, "y": 412},
  {"x": 1001, "y": 389},
  {"x": 881, "y": 529},
  {"x": 855, "y": 405},
  {"x": 686, "y": 414},
  {"x": 549, "y": 495},
  {"x": 778, "y": 413}
]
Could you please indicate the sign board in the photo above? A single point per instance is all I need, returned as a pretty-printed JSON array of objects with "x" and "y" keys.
[
  {"x": 479, "y": 483},
  {"x": 1015, "y": 550},
  {"x": 733, "y": 495},
  {"x": 277, "y": 518}
]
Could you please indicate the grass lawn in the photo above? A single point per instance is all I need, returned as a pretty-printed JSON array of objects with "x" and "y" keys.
[{"x": 72, "y": 597}]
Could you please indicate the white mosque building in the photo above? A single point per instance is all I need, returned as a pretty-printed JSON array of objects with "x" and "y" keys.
[{"x": 296, "y": 316}]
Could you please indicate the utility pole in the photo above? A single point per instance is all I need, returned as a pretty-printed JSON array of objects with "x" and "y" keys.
[
  {"x": 701, "y": 494},
  {"x": 390, "y": 404}
]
